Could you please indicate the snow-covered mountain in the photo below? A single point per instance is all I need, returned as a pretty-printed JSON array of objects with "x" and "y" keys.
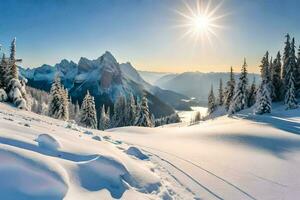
[
  {"x": 106, "y": 79},
  {"x": 176, "y": 100},
  {"x": 197, "y": 84}
]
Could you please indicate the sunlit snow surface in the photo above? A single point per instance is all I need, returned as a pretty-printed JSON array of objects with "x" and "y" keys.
[{"x": 240, "y": 157}]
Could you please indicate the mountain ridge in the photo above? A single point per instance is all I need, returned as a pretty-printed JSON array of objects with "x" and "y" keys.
[{"x": 104, "y": 78}]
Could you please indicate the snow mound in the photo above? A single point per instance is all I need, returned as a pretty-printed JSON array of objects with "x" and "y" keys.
[
  {"x": 96, "y": 137},
  {"x": 25, "y": 178},
  {"x": 48, "y": 142},
  {"x": 111, "y": 174},
  {"x": 133, "y": 151}
]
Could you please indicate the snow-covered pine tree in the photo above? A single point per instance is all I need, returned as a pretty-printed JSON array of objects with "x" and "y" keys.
[
  {"x": 221, "y": 94},
  {"x": 252, "y": 94},
  {"x": 12, "y": 60},
  {"x": 239, "y": 101},
  {"x": 65, "y": 104},
  {"x": 211, "y": 106},
  {"x": 71, "y": 109},
  {"x": 286, "y": 58},
  {"x": 229, "y": 90},
  {"x": 144, "y": 116},
  {"x": 104, "y": 121},
  {"x": 120, "y": 112},
  {"x": 290, "y": 68},
  {"x": 88, "y": 115},
  {"x": 265, "y": 67},
  {"x": 55, "y": 105},
  {"x": 276, "y": 79},
  {"x": 297, "y": 74},
  {"x": 77, "y": 111},
  {"x": 290, "y": 100},
  {"x": 264, "y": 99},
  {"x": 131, "y": 111},
  {"x": 3, "y": 72}
]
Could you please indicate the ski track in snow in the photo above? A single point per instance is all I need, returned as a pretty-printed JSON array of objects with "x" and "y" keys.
[{"x": 201, "y": 168}]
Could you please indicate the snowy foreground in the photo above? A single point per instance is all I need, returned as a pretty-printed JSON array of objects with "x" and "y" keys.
[{"x": 242, "y": 157}]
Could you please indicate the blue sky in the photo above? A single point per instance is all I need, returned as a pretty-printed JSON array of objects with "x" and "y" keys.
[{"x": 142, "y": 32}]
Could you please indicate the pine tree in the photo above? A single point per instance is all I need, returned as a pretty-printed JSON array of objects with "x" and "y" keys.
[
  {"x": 120, "y": 113},
  {"x": 211, "y": 101},
  {"x": 55, "y": 105},
  {"x": 3, "y": 69},
  {"x": 276, "y": 79},
  {"x": 240, "y": 97},
  {"x": 77, "y": 111},
  {"x": 12, "y": 60},
  {"x": 252, "y": 94},
  {"x": 297, "y": 74},
  {"x": 286, "y": 57},
  {"x": 265, "y": 68},
  {"x": 264, "y": 99},
  {"x": 131, "y": 111},
  {"x": 229, "y": 90},
  {"x": 144, "y": 116},
  {"x": 104, "y": 121},
  {"x": 221, "y": 94},
  {"x": 290, "y": 68},
  {"x": 290, "y": 100},
  {"x": 65, "y": 104},
  {"x": 88, "y": 116}
]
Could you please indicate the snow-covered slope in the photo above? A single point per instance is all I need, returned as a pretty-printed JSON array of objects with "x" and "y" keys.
[
  {"x": 43, "y": 158},
  {"x": 240, "y": 157}
]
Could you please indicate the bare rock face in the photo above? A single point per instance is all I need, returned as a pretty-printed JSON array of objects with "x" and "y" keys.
[{"x": 110, "y": 72}]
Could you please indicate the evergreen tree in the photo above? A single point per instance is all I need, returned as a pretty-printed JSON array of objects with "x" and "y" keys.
[
  {"x": 252, "y": 94},
  {"x": 3, "y": 72},
  {"x": 286, "y": 57},
  {"x": 144, "y": 116},
  {"x": 119, "y": 118},
  {"x": 131, "y": 111},
  {"x": 211, "y": 101},
  {"x": 12, "y": 60},
  {"x": 221, "y": 94},
  {"x": 56, "y": 106},
  {"x": 290, "y": 100},
  {"x": 88, "y": 116},
  {"x": 265, "y": 68},
  {"x": 290, "y": 68},
  {"x": 229, "y": 90},
  {"x": 264, "y": 100},
  {"x": 77, "y": 111},
  {"x": 276, "y": 79},
  {"x": 297, "y": 73},
  {"x": 65, "y": 104},
  {"x": 104, "y": 121},
  {"x": 240, "y": 97}
]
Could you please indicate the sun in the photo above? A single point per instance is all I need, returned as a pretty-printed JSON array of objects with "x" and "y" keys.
[{"x": 201, "y": 21}]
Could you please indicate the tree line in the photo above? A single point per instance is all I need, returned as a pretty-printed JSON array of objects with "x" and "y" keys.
[
  {"x": 280, "y": 82},
  {"x": 126, "y": 111}
]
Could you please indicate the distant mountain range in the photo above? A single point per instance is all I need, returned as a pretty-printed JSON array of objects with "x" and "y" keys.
[
  {"x": 152, "y": 77},
  {"x": 197, "y": 84},
  {"x": 106, "y": 79}
]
